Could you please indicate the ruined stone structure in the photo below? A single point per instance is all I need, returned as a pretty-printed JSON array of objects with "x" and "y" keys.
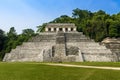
[
  {"x": 61, "y": 43},
  {"x": 114, "y": 45}
]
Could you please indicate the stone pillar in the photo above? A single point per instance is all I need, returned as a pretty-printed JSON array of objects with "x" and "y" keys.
[
  {"x": 64, "y": 30},
  {"x": 57, "y": 29},
  {"x": 46, "y": 29},
  {"x": 69, "y": 29},
  {"x": 52, "y": 29},
  {"x": 74, "y": 29}
]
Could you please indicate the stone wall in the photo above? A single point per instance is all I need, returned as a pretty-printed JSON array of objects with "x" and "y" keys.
[
  {"x": 30, "y": 51},
  {"x": 114, "y": 45}
]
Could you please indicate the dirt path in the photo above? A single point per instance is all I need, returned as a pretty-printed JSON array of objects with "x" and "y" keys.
[{"x": 81, "y": 66}]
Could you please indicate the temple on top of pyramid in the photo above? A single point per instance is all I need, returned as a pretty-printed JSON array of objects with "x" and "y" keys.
[
  {"x": 56, "y": 27},
  {"x": 61, "y": 43}
]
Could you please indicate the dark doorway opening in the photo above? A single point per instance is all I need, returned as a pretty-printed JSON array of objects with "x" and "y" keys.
[
  {"x": 71, "y": 29},
  {"x": 66, "y": 29},
  {"x": 49, "y": 29},
  {"x": 54, "y": 29},
  {"x": 60, "y": 29}
]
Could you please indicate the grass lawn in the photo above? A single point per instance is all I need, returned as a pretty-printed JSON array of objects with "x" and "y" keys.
[{"x": 29, "y": 71}]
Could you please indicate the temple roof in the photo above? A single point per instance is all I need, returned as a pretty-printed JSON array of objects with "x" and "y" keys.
[{"x": 65, "y": 25}]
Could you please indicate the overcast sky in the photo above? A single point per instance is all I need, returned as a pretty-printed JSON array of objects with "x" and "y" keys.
[{"x": 23, "y": 14}]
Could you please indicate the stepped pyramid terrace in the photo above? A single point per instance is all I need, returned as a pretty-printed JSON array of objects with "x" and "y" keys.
[{"x": 61, "y": 43}]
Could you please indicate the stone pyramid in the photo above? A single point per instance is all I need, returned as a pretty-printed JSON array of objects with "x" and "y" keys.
[{"x": 69, "y": 46}]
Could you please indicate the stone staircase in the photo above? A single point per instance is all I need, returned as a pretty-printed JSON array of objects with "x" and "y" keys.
[{"x": 60, "y": 47}]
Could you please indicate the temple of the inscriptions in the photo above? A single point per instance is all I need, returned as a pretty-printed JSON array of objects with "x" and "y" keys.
[
  {"x": 60, "y": 28},
  {"x": 61, "y": 43}
]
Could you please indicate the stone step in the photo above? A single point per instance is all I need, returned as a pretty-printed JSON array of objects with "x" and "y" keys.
[
  {"x": 30, "y": 53},
  {"x": 116, "y": 50},
  {"x": 79, "y": 40},
  {"x": 39, "y": 47},
  {"x": 15, "y": 51},
  {"x": 96, "y": 51},
  {"x": 74, "y": 34},
  {"x": 70, "y": 37},
  {"x": 37, "y": 44},
  {"x": 92, "y": 47},
  {"x": 84, "y": 44},
  {"x": 114, "y": 46},
  {"x": 46, "y": 36},
  {"x": 34, "y": 45},
  {"x": 81, "y": 47},
  {"x": 42, "y": 38},
  {"x": 48, "y": 33}
]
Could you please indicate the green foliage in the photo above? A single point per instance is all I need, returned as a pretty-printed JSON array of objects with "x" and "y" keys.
[
  {"x": 12, "y": 35},
  {"x": 63, "y": 19},
  {"x": 2, "y": 43},
  {"x": 2, "y": 38},
  {"x": 28, "y": 32},
  {"x": 97, "y": 25},
  {"x": 11, "y": 40},
  {"x": 26, "y": 35},
  {"x": 41, "y": 28}
]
